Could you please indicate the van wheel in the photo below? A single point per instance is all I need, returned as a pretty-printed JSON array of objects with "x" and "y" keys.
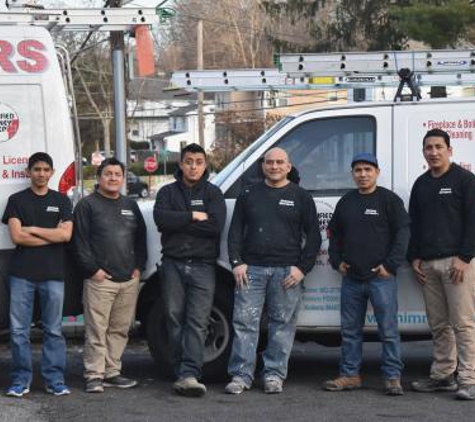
[{"x": 218, "y": 341}]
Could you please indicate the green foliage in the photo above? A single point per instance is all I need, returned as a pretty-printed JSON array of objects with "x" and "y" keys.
[
  {"x": 365, "y": 25},
  {"x": 438, "y": 23}
]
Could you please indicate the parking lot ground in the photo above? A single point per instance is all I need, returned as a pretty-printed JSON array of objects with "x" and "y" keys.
[{"x": 302, "y": 400}]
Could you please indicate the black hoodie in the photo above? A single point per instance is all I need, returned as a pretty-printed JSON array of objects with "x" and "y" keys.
[{"x": 183, "y": 238}]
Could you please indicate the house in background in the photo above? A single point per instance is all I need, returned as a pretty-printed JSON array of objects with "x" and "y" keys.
[{"x": 167, "y": 120}]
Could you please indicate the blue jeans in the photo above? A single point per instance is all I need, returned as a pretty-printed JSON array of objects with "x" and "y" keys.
[
  {"x": 354, "y": 300},
  {"x": 51, "y": 295},
  {"x": 188, "y": 289},
  {"x": 265, "y": 285}
]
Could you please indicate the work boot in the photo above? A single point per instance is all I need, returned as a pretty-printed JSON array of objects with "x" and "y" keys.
[
  {"x": 351, "y": 382},
  {"x": 430, "y": 385},
  {"x": 189, "y": 387},
  {"x": 392, "y": 387},
  {"x": 466, "y": 392}
]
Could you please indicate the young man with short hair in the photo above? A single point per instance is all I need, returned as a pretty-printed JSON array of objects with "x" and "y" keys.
[
  {"x": 39, "y": 220},
  {"x": 369, "y": 232},
  {"x": 190, "y": 214},
  {"x": 273, "y": 243},
  {"x": 110, "y": 245},
  {"x": 441, "y": 252}
]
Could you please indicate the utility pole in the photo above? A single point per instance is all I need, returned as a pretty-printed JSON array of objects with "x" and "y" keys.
[
  {"x": 117, "y": 51},
  {"x": 201, "y": 117}
]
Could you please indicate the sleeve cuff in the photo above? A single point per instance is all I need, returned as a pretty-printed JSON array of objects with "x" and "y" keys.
[
  {"x": 236, "y": 262},
  {"x": 466, "y": 258}
]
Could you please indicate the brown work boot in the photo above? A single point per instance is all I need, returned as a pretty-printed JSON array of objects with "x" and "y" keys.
[
  {"x": 392, "y": 387},
  {"x": 342, "y": 383}
]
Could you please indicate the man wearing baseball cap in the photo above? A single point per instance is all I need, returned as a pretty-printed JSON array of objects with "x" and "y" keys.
[{"x": 369, "y": 232}]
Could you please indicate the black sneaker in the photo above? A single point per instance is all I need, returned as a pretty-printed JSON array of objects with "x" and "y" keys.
[
  {"x": 94, "y": 386},
  {"x": 466, "y": 392},
  {"x": 430, "y": 385},
  {"x": 119, "y": 381}
]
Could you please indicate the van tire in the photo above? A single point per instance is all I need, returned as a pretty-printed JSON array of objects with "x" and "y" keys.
[{"x": 218, "y": 342}]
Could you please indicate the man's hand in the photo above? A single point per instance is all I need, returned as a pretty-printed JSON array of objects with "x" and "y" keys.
[
  {"x": 199, "y": 216},
  {"x": 294, "y": 278},
  {"x": 421, "y": 276},
  {"x": 136, "y": 274},
  {"x": 457, "y": 271},
  {"x": 343, "y": 268},
  {"x": 240, "y": 275},
  {"x": 381, "y": 271},
  {"x": 101, "y": 275}
]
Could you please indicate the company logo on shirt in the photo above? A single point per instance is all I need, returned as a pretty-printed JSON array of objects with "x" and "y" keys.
[
  {"x": 445, "y": 191},
  {"x": 128, "y": 213},
  {"x": 369, "y": 211},
  {"x": 286, "y": 203},
  {"x": 52, "y": 209},
  {"x": 197, "y": 203}
]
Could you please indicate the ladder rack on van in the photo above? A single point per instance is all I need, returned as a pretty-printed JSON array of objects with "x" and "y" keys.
[
  {"x": 399, "y": 69},
  {"x": 82, "y": 19}
]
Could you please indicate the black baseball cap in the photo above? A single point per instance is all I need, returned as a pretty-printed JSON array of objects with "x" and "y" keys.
[{"x": 365, "y": 157}]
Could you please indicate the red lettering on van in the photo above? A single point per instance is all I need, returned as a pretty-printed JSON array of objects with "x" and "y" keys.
[
  {"x": 6, "y": 52},
  {"x": 29, "y": 50}
]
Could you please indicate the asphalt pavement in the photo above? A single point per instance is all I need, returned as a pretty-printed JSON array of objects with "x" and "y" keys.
[{"x": 302, "y": 400}]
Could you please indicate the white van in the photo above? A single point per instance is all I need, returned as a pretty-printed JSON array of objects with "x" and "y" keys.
[
  {"x": 321, "y": 144},
  {"x": 34, "y": 116}
]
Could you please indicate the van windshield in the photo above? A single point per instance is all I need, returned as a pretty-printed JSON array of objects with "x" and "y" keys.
[{"x": 241, "y": 158}]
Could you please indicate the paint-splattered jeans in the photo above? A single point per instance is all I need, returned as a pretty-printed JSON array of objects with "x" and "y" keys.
[{"x": 265, "y": 285}]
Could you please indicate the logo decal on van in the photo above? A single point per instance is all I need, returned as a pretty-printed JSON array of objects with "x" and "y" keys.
[{"x": 9, "y": 122}]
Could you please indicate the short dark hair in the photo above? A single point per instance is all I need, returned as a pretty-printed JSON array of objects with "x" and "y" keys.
[
  {"x": 112, "y": 161},
  {"x": 439, "y": 133},
  {"x": 193, "y": 149},
  {"x": 40, "y": 156}
]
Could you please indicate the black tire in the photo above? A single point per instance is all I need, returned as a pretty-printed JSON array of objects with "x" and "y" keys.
[{"x": 218, "y": 342}]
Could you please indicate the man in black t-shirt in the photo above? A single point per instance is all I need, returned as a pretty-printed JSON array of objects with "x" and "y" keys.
[
  {"x": 441, "y": 252},
  {"x": 369, "y": 232},
  {"x": 110, "y": 246},
  {"x": 39, "y": 220},
  {"x": 273, "y": 242}
]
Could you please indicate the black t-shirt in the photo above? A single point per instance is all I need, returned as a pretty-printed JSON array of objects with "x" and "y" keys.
[
  {"x": 369, "y": 230},
  {"x": 269, "y": 225},
  {"x": 38, "y": 263}
]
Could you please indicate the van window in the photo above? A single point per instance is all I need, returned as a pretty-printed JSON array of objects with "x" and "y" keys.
[{"x": 321, "y": 150}]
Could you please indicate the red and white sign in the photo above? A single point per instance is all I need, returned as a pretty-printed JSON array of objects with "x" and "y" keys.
[
  {"x": 9, "y": 122},
  {"x": 150, "y": 164}
]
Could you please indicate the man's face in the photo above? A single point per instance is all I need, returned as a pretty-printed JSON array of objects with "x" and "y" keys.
[
  {"x": 276, "y": 166},
  {"x": 437, "y": 153},
  {"x": 40, "y": 173},
  {"x": 193, "y": 167},
  {"x": 365, "y": 176},
  {"x": 111, "y": 179}
]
